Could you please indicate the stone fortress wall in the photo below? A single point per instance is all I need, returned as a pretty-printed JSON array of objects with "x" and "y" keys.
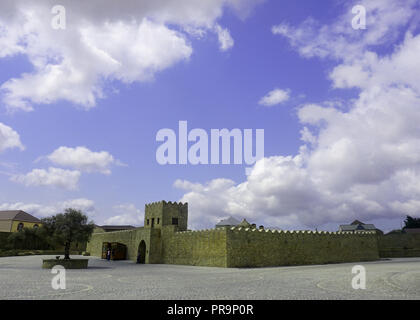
[
  {"x": 262, "y": 248},
  {"x": 197, "y": 248},
  {"x": 130, "y": 238},
  {"x": 399, "y": 245},
  {"x": 168, "y": 241},
  {"x": 162, "y": 213}
]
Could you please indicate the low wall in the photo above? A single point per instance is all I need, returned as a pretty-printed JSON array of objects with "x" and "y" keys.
[
  {"x": 264, "y": 248},
  {"x": 67, "y": 264},
  {"x": 196, "y": 248},
  {"x": 399, "y": 245}
]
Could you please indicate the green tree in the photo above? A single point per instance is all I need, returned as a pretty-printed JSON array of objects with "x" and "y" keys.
[
  {"x": 411, "y": 222},
  {"x": 68, "y": 227}
]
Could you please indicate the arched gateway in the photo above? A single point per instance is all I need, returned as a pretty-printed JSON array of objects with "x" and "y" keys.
[{"x": 141, "y": 253}]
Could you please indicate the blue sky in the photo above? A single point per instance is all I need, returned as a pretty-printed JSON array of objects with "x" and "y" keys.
[{"x": 340, "y": 176}]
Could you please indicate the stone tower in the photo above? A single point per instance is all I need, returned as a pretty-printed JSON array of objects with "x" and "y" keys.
[{"x": 162, "y": 213}]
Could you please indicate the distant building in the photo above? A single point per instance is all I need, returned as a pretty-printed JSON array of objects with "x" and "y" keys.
[
  {"x": 357, "y": 226},
  {"x": 16, "y": 220},
  {"x": 246, "y": 224},
  {"x": 229, "y": 222},
  {"x": 111, "y": 228}
]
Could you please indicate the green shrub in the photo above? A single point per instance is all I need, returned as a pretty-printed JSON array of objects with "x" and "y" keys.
[{"x": 28, "y": 239}]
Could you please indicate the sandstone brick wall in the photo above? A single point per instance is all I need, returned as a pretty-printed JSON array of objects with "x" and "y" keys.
[
  {"x": 131, "y": 238},
  {"x": 155, "y": 211},
  {"x": 260, "y": 248},
  {"x": 197, "y": 248},
  {"x": 176, "y": 210},
  {"x": 399, "y": 245},
  {"x": 240, "y": 247},
  {"x": 165, "y": 211}
]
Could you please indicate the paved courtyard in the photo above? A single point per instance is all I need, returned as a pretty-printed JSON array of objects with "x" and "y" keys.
[{"x": 23, "y": 278}]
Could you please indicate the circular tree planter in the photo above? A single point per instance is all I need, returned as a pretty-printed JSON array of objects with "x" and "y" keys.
[{"x": 67, "y": 264}]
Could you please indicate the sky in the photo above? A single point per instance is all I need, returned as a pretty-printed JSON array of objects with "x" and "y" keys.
[{"x": 82, "y": 99}]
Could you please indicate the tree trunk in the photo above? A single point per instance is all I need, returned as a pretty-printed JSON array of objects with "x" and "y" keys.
[{"x": 67, "y": 251}]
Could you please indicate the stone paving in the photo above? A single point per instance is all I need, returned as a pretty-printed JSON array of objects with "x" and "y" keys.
[{"x": 23, "y": 278}]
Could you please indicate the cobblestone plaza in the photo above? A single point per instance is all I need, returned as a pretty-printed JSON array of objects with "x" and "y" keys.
[{"x": 23, "y": 278}]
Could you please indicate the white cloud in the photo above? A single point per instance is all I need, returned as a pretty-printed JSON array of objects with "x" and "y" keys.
[
  {"x": 55, "y": 177},
  {"x": 83, "y": 159},
  {"x": 103, "y": 41},
  {"x": 41, "y": 211},
  {"x": 275, "y": 97},
  {"x": 9, "y": 138},
  {"x": 362, "y": 161},
  {"x": 411, "y": 207},
  {"x": 345, "y": 76},
  {"x": 226, "y": 41},
  {"x": 307, "y": 136},
  {"x": 339, "y": 40},
  {"x": 127, "y": 214},
  {"x": 83, "y": 204}
]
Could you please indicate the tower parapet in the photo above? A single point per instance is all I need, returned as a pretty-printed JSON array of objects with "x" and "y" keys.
[{"x": 163, "y": 213}]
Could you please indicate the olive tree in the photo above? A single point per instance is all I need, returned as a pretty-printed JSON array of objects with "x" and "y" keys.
[{"x": 68, "y": 227}]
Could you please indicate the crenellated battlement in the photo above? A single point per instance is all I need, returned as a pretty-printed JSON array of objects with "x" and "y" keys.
[
  {"x": 218, "y": 230},
  {"x": 278, "y": 231},
  {"x": 301, "y": 232},
  {"x": 166, "y": 204}
]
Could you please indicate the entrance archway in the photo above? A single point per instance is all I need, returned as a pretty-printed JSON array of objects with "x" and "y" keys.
[{"x": 141, "y": 254}]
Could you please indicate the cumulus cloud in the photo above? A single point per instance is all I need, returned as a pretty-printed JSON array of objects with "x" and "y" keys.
[
  {"x": 83, "y": 159},
  {"x": 126, "y": 214},
  {"x": 9, "y": 138},
  {"x": 207, "y": 202},
  {"x": 362, "y": 162},
  {"x": 225, "y": 39},
  {"x": 275, "y": 97},
  {"x": 42, "y": 210},
  {"x": 54, "y": 177},
  {"x": 339, "y": 40},
  {"x": 103, "y": 41}
]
